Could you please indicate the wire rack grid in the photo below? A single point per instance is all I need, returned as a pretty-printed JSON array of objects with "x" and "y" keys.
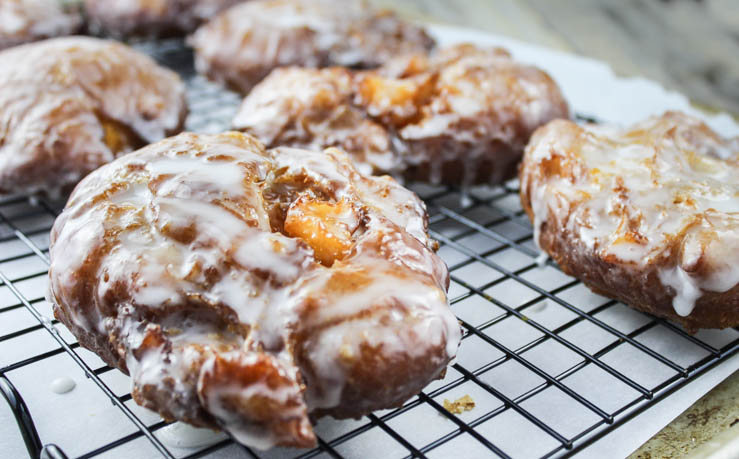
[{"x": 550, "y": 366}]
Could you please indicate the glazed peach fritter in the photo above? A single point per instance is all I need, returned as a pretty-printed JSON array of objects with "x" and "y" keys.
[
  {"x": 647, "y": 214},
  {"x": 242, "y": 45},
  {"x": 246, "y": 289},
  {"x": 69, "y": 105},
  {"x": 23, "y": 21},
  {"x": 461, "y": 115},
  {"x": 156, "y": 18}
]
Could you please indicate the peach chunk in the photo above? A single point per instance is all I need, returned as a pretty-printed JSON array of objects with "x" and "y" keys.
[
  {"x": 325, "y": 226},
  {"x": 396, "y": 100}
]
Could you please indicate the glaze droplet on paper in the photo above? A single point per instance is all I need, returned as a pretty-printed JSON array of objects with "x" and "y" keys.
[
  {"x": 62, "y": 385},
  {"x": 181, "y": 435}
]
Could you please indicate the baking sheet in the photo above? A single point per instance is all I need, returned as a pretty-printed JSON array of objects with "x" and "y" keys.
[{"x": 84, "y": 418}]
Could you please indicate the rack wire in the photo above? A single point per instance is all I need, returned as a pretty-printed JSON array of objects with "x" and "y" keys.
[{"x": 551, "y": 366}]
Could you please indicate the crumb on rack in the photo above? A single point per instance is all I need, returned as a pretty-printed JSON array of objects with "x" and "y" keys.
[{"x": 460, "y": 405}]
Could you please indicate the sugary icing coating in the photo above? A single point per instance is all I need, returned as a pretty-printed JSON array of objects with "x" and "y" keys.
[
  {"x": 241, "y": 46},
  {"x": 22, "y": 21},
  {"x": 151, "y": 17},
  {"x": 69, "y": 105},
  {"x": 245, "y": 288},
  {"x": 460, "y": 116},
  {"x": 311, "y": 108},
  {"x": 648, "y": 214}
]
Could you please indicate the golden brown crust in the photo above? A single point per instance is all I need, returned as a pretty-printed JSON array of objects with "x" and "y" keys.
[
  {"x": 69, "y": 105},
  {"x": 459, "y": 116},
  {"x": 241, "y": 46},
  {"x": 246, "y": 289},
  {"x": 152, "y": 18},
  {"x": 646, "y": 215},
  {"x": 23, "y": 21}
]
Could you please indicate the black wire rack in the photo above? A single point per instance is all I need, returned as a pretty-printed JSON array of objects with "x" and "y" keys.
[{"x": 550, "y": 366}]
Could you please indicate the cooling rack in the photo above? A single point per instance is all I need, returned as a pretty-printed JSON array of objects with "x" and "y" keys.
[{"x": 550, "y": 366}]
